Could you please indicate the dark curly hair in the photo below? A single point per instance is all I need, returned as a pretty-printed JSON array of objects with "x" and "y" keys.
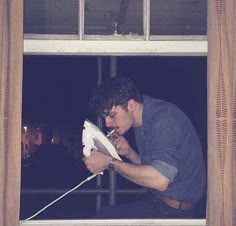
[{"x": 114, "y": 91}]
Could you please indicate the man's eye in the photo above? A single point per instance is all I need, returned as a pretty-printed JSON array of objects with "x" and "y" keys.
[{"x": 112, "y": 115}]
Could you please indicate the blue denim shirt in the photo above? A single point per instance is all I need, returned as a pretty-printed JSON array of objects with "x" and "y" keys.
[{"x": 168, "y": 141}]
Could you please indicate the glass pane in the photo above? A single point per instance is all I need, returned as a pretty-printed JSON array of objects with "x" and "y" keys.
[
  {"x": 51, "y": 16},
  {"x": 178, "y": 17},
  {"x": 106, "y": 17}
]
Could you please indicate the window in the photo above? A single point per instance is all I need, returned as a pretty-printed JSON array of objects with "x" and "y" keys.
[
  {"x": 83, "y": 20},
  {"x": 116, "y": 19}
]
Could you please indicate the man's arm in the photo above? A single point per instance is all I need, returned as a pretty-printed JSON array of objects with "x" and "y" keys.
[
  {"x": 133, "y": 157},
  {"x": 144, "y": 175}
]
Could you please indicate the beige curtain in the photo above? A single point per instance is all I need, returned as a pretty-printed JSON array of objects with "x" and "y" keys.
[
  {"x": 221, "y": 112},
  {"x": 11, "y": 52}
]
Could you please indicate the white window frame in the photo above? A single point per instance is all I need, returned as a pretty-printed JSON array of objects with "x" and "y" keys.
[{"x": 136, "y": 222}]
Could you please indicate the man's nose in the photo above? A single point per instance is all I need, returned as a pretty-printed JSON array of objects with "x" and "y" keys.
[{"x": 108, "y": 121}]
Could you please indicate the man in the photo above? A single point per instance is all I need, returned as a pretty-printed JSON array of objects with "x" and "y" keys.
[{"x": 169, "y": 161}]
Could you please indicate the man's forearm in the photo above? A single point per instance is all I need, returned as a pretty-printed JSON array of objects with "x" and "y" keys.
[
  {"x": 144, "y": 175},
  {"x": 134, "y": 157}
]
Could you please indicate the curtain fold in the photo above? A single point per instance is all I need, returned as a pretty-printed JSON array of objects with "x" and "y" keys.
[
  {"x": 234, "y": 115},
  {"x": 221, "y": 107},
  {"x": 11, "y": 56}
]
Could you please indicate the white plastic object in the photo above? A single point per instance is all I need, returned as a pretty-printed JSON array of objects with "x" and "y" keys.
[{"x": 94, "y": 138}]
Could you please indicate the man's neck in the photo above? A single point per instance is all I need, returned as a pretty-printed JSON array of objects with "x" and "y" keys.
[{"x": 138, "y": 115}]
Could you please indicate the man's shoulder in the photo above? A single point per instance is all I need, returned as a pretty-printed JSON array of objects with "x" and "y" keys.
[
  {"x": 151, "y": 101},
  {"x": 158, "y": 106}
]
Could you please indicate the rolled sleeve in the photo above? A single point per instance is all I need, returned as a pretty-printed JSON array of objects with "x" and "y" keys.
[{"x": 165, "y": 169}]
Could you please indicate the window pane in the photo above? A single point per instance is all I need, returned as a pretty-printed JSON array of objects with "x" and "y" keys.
[
  {"x": 51, "y": 16},
  {"x": 178, "y": 17},
  {"x": 106, "y": 17}
]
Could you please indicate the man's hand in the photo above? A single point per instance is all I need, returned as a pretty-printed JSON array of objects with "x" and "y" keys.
[
  {"x": 121, "y": 144},
  {"x": 97, "y": 162}
]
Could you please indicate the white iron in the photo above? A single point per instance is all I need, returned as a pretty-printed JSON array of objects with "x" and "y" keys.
[{"x": 94, "y": 138}]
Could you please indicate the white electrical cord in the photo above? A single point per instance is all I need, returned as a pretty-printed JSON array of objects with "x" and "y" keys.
[{"x": 77, "y": 186}]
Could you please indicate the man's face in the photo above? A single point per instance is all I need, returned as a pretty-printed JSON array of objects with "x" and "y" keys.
[{"x": 119, "y": 118}]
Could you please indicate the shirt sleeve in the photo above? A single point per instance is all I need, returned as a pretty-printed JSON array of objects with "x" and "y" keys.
[{"x": 165, "y": 142}]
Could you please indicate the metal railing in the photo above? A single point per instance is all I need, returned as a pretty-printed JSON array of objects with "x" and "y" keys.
[{"x": 99, "y": 191}]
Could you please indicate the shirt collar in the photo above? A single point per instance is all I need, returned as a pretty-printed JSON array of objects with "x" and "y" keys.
[{"x": 145, "y": 115}]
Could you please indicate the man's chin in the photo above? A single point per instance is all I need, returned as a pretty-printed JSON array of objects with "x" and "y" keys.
[{"x": 121, "y": 132}]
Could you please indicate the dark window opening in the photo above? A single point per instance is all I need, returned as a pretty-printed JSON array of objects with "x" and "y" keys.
[{"x": 56, "y": 90}]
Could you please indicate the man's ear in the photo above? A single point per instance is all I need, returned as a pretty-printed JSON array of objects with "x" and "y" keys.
[{"x": 132, "y": 105}]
